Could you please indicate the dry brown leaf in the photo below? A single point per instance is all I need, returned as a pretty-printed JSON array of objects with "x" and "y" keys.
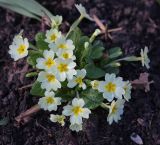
[{"x": 142, "y": 82}]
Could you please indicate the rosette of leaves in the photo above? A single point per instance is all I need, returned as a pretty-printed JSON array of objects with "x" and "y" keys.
[{"x": 91, "y": 58}]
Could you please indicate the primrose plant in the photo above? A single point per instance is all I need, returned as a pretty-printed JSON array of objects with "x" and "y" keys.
[{"x": 72, "y": 72}]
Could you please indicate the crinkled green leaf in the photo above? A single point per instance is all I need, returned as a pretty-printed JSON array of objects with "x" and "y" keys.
[
  {"x": 92, "y": 98},
  {"x": 40, "y": 43},
  {"x": 94, "y": 72},
  {"x": 66, "y": 94},
  {"x": 96, "y": 50},
  {"x": 115, "y": 52},
  {"x": 114, "y": 70},
  {"x": 32, "y": 57},
  {"x": 79, "y": 40},
  {"x": 75, "y": 35},
  {"x": 36, "y": 89}
]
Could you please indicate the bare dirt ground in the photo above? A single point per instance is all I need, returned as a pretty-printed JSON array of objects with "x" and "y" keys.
[{"x": 140, "y": 21}]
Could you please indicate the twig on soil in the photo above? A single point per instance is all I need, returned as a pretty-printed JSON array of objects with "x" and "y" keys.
[
  {"x": 100, "y": 24},
  {"x": 25, "y": 87},
  {"x": 26, "y": 116},
  {"x": 114, "y": 29},
  {"x": 104, "y": 29}
]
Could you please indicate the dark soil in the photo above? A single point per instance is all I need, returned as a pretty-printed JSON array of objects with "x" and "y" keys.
[{"x": 140, "y": 20}]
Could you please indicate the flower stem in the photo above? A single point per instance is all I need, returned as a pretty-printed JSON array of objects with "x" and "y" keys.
[
  {"x": 104, "y": 106},
  {"x": 74, "y": 25},
  {"x": 130, "y": 58},
  {"x": 31, "y": 46}
]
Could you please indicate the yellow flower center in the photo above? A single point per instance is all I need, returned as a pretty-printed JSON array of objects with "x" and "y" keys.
[
  {"x": 66, "y": 55},
  {"x": 21, "y": 49},
  {"x": 110, "y": 87},
  {"x": 49, "y": 62},
  {"x": 77, "y": 110},
  {"x": 114, "y": 109},
  {"x": 62, "y": 46},
  {"x": 50, "y": 78},
  {"x": 62, "y": 67},
  {"x": 53, "y": 37},
  {"x": 79, "y": 80},
  {"x": 125, "y": 89},
  {"x": 95, "y": 84},
  {"x": 60, "y": 120},
  {"x": 50, "y": 100}
]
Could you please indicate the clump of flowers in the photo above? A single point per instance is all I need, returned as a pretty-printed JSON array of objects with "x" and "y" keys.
[{"x": 72, "y": 72}]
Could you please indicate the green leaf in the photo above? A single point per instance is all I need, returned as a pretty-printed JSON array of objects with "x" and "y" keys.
[
  {"x": 75, "y": 35},
  {"x": 39, "y": 9},
  {"x": 97, "y": 50},
  {"x": 114, "y": 70},
  {"x": 40, "y": 43},
  {"x": 29, "y": 6},
  {"x": 94, "y": 72},
  {"x": 4, "y": 121},
  {"x": 37, "y": 90},
  {"x": 79, "y": 41},
  {"x": 115, "y": 52},
  {"x": 66, "y": 94},
  {"x": 80, "y": 44},
  {"x": 92, "y": 98},
  {"x": 74, "y": 26},
  {"x": 31, "y": 74},
  {"x": 19, "y": 10},
  {"x": 32, "y": 57}
]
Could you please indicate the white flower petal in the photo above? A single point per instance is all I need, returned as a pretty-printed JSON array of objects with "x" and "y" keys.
[
  {"x": 76, "y": 119},
  {"x": 71, "y": 84},
  {"x": 86, "y": 113},
  {"x": 67, "y": 110}
]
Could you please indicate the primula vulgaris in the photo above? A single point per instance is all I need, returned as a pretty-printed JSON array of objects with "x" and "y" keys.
[
  {"x": 19, "y": 47},
  {"x": 52, "y": 35},
  {"x": 76, "y": 111},
  {"x": 62, "y": 74},
  {"x": 78, "y": 79},
  {"x": 82, "y": 11},
  {"x": 47, "y": 63},
  {"x": 61, "y": 45},
  {"x": 49, "y": 102},
  {"x": 95, "y": 84},
  {"x": 58, "y": 118},
  {"x": 48, "y": 81},
  {"x": 144, "y": 57},
  {"x": 127, "y": 88},
  {"x": 115, "y": 110},
  {"x": 65, "y": 69},
  {"x": 56, "y": 21},
  {"x": 112, "y": 87},
  {"x": 68, "y": 54},
  {"x": 76, "y": 127}
]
